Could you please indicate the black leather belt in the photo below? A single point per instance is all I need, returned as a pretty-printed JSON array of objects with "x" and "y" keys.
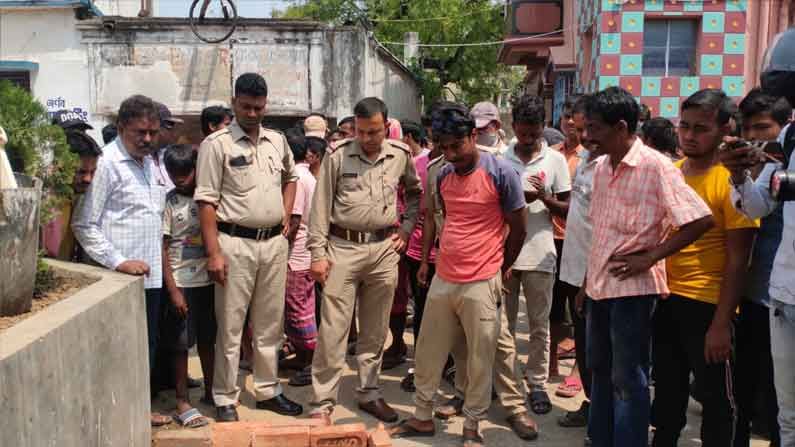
[
  {"x": 258, "y": 234},
  {"x": 361, "y": 237}
]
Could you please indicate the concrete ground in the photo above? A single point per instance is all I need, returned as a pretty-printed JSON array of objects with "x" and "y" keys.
[{"x": 495, "y": 431}]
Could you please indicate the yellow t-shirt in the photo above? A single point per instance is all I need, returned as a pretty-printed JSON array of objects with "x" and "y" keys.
[{"x": 697, "y": 270}]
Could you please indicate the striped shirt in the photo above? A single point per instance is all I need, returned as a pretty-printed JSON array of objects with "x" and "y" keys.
[
  {"x": 633, "y": 209},
  {"x": 121, "y": 215}
]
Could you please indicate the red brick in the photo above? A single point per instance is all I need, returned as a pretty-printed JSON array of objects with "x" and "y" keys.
[
  {"x": 346, "y": 435},
  {"x": 235, "y": 434},
  {"x": 294, "y": 436},
  {"x": 379, "y": 437},
  {"x": 311, "y": 422},
  {"x": 197, "y": 437}
]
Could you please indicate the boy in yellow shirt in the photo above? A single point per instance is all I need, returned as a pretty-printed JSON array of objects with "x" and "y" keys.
[{"x": 693, "y": 327}]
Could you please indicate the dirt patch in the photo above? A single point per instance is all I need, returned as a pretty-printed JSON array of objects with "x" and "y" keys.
[{"x": 61, "y": 285}]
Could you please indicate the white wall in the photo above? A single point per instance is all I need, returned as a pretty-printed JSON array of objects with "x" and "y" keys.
[
  {"x": 125, "y": 8},
  {"x": 48, "y": 37}
]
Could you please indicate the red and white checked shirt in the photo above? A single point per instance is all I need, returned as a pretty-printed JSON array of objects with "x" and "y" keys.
[{"x": 633, "y": 209}]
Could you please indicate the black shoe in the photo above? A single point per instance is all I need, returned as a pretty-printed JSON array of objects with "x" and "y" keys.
[
  {"x": 281, "y": 405},
  {"x": 407, "y": 384},
  {"x": 226, "y": 413},
  {"x": 195, "y": 383}
]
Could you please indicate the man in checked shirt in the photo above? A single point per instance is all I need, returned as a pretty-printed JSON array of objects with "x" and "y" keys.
[
  {"x": 119, "y": 223},
  {"x": 638, "y": 198}
]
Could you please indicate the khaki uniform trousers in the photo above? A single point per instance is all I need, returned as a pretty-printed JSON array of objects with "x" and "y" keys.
[
  {"x": 509, "y": 390},
  {"x": 537, "y": 288},
  {"x": 369, "y": 271},
  {"x": 458, "y": 312},
  {"x": 255, "y": 283}
]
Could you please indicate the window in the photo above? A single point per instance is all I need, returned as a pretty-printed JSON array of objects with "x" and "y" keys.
[
  {"x": 669, "y": 47},
  {"x": 20, "y": 78}
]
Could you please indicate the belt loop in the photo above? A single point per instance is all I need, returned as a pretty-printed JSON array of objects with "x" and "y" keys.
[
  {"x": 347, "y": 234},
  {"x": 233, "y": 229}
]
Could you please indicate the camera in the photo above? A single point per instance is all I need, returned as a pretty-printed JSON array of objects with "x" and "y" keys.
[{"x": 782, "y": 185}]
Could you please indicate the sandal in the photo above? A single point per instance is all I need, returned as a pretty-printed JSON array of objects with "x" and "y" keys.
[
  {"x": 159, "y": 420},
  {"x": 302, "y": 377},
  {"x": 570, "y": 387},
  {"x": 191, "y": 419},
  {"x": 405, "y": 431},
  {"x": 539, "y": 402},
  {"x": 473, "y": 439}
]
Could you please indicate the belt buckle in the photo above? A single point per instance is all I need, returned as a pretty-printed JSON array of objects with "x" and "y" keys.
[{"x": 260, "y": 234}]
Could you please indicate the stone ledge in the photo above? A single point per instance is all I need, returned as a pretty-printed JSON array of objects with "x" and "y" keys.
[{"x": 297, "y": 433}]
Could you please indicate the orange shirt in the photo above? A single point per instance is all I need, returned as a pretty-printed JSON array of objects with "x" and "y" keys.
[{"x": 572, "y": 159}]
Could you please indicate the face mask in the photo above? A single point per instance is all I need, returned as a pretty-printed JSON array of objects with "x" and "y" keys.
[{"x": 489, "y": 140}]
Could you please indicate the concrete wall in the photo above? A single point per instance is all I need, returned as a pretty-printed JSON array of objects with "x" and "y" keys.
[
  {"x": 76, "y": 374},
  {"x": 19, "y": 230},
  {"x": 309, "y": 67}
]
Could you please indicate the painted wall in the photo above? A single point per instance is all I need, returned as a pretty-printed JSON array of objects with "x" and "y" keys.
[
  {"x": 616, "y": 56},
  {"x": 48, "y": 37},
  {"x": 309, "y": 69}
]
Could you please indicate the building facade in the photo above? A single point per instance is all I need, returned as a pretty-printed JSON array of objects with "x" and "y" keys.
[
  {"x": 70, "y": 55},
  {"x": 660, "y": 50}
]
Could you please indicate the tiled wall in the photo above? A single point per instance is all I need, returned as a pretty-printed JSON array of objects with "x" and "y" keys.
[{"x": 617, "y": 48}]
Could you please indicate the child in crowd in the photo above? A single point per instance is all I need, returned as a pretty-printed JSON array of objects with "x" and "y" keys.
[{"x": 190, "y": 316}]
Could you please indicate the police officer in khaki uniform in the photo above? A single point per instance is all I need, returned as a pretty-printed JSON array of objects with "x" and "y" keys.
[
  {"x": 245, "y": 188},
  {"x": 355, "y": 244}
]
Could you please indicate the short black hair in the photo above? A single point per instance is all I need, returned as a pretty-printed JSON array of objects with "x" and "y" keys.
[
  {"x": 214, "y": 115},
  {"x": 138, "y": 106},
  {"x": 251, "y": 84},
  {"x": 450, "y": 118},
  {"x": 574, "y": 104},
  {"x": 347, "y": 119},
  {"x": 660, "y": 134},
  {"x": 316, "y": 146},
  {"x": 180, "y": 159},
  {"x": 757, "y": 101},
  {"x": 297, "y": 146},
  {"x": 612, "y": 105},
  {"x": 109, "y": 133},
  {"x": 414, "y": 129},
  {"x": 714, "y": 100},
  {"x": 370, "y": 107},
  {"x": 528, "y": 109},
  {"x": 82, "y": 144}
]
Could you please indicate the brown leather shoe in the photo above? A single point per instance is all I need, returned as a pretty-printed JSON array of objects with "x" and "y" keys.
[
  {"x": 524, "y": 426},
  {"x": 380, "y": 410}
]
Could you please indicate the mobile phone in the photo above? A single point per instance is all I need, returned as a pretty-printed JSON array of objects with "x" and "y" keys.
[{"x": 775, "y": 150}]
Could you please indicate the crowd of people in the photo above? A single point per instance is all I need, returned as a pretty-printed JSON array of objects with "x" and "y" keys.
[{"x": 639, "y": 238}]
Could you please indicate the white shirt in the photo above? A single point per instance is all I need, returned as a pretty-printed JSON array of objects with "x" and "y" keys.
[
  {"x": 121, "y": 215},
  {"x": 538, "y": 251},
  {"x": 579, "y": 229},
  {"x": 754, "y": 201}
]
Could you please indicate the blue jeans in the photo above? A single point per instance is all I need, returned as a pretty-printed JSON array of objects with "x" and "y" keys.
[
  {"x": 618, "y": 342},
  {"x": 153, "y": 297},
  {"x": 782, "y": 338}
]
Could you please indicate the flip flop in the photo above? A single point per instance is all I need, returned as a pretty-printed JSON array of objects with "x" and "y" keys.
[
  {"x": 302, "y": 377},
  {"x": 405, "y": 431},
  {"x": 191, "y": 419},
  {"x": 570, "y": 387},
  {"x": 539, "y": 402},
  {"x": 475, "y": 440},
  {"x": 159, "y": 420}
]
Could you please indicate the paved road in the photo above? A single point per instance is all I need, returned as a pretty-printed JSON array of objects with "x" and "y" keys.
[{"x": 495, "y": 430}]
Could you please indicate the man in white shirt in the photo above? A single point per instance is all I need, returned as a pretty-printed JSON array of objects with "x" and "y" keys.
[
  {"x": 547, "y": 183},
  {"x": 119, "y": 222},
  {"x": 753, "y": 198}
]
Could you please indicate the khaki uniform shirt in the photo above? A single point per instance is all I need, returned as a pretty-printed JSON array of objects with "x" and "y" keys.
[
  {"x": 244, "y": 179},
  {"x": 432, "y": 197},
  {"x": 358, "y": 194}
]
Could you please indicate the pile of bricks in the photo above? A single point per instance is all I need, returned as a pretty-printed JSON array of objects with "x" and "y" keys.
[{"x": 297, "y": 433}]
